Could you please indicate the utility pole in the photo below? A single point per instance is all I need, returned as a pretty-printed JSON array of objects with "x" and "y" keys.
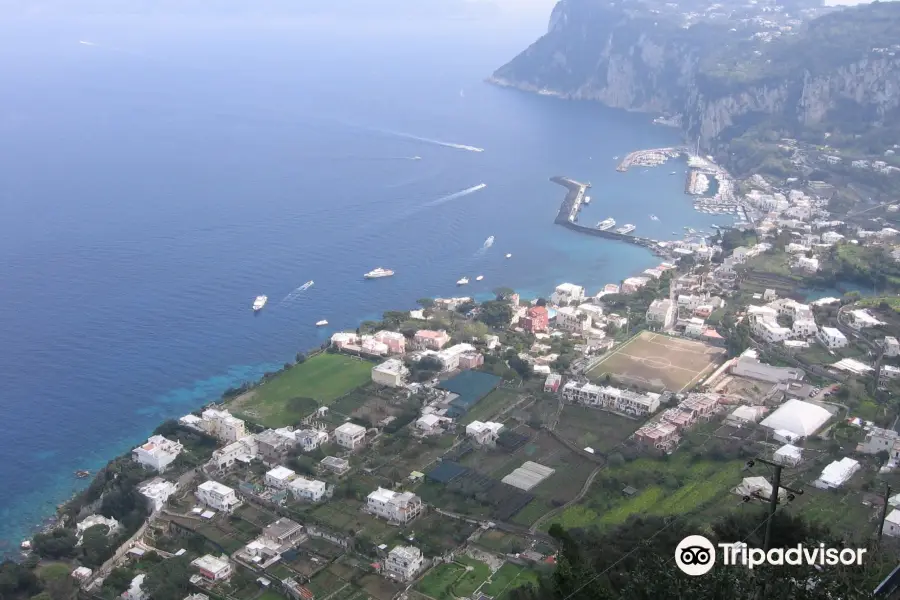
[
  {"x": 773, "y": 496},
  {"x": 884, "y": 509}
]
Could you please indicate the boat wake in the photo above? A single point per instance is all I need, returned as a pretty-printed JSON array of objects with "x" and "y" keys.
[
  {"x": 296, "y": 293},
  {"x": 455, "y": 195},
  {"x": 485, "y": 247},
  {"x": 425, "y": 140}
]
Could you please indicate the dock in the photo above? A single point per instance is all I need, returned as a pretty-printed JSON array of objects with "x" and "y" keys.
[{"x": 568, "y": 214}]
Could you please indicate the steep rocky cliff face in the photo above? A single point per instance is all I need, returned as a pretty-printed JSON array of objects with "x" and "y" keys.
[{"x": 839, "y": 68}]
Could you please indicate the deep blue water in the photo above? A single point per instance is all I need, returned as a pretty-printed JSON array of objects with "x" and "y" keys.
[{"x": 153, "y": 184}]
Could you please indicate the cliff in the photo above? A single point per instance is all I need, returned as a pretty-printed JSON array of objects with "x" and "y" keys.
[{"x": 841, "y": 70}]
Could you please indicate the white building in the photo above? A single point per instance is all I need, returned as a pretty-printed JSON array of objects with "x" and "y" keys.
[
  {"x": 242, "y": 451},
  {"x": 570, "y": 319},
  {"x": 831, "y": 338},
  {"x": 220, "y": 497},
  {"x": 310, "y": 490},
  {"x": 158, "y": 453},
  {"x": 748, "y": 365},
  {"x": 661, "y": 313},
  {"x": 831, "y": 237},
  {"x": 766, "y": 327},
  {"x": 213, "y": 568},
  {"x": 804, "y": 328},
  {"x": 878, "y": 439},
  {"x": 391, "y": 373},
  {"x": 566, "y": 293},
  {"x": 135, "y": 590},
  {"x": 404, "y": 562},
  {"x": 279, "y": 477},
  {"x": 810, "y": 265},
  {"x": 690, "y": 301},
  {"x": 837, "y": 474},
  {"x": 398, "y": 507},
  {"x": 891, "y": 346},
  {"x": 892, "y": 524},
  {"x": 429, "y": 424},
  {"x": 222, "y": 426},
  {"x": 310, "y": 439},
  {"x": 789, "y": 455},
  {"x": 157, "y": 491},
  {"x": 350, "y": 436},
  {"x": 624, "y": 401},
  {"x": 743, "y": 415},
  {"x": 695, "y": 327},
  {"x": 449, "y": 357},
  {"x": 861, "y": 319},
  {"x": 800, "y": 418},
  {"x": 484, "y": 433}
]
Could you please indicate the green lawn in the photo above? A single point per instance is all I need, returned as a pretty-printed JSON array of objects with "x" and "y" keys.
[
  {"x": 323, "y": 378},
  {"x": 490, "y": 405},
  {"x": 476, "y": 573},
  {"x": 439, "y": 580},
  {"x": 508, "y": 578},
  {"x": 270, "y": 595}
]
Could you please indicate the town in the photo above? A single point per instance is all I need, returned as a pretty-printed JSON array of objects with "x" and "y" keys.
[{"x": 427, "y": 455}]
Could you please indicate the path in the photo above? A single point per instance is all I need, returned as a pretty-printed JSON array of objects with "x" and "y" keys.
[{"x": 584, "y": 489}]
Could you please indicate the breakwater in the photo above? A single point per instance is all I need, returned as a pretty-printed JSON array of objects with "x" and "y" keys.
[{"x": 568, "y": 214}]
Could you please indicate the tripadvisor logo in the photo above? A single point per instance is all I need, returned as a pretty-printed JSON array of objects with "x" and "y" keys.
[{"x": 696, "y": 555}]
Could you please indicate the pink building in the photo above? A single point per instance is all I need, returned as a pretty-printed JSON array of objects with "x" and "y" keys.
[
  {"x": 373, "y": 346},
  {"x": 536, "y": 319},
  {"x": 396, "y": 342},
  {"x": 661, "y": 435},
  {"x": 680, "y": 419},
  {"x": 431, "y": 340},
  {"x": 472, "y": 360}
]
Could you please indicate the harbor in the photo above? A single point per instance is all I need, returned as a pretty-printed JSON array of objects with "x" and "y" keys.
[{"x": 571, "y": 205}]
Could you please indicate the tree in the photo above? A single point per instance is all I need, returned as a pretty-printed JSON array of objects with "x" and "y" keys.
[
  {"x": 503, "y": 293},
  {"x": 169, "y": 580},
  {"x": 425, "y": 302},
  {"x": 59, "y": 543},
  {"x": 16, "y": 579},
  {"x": 57, "y": 581},
  {"x": 95, "y": 546},
  {"x": 495, "y": 313},
  {"x": 541, "y": 302}
]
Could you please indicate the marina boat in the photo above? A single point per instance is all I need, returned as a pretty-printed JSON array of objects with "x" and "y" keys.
[
  {"x": 307, "y": 285},
  {"x": 479, "y": 278},
  {"x": 321, "y": 323},
  {"x": 606, "y": 224},
  {"x": 626, "y": 229},
  {"x": 378, "y": 273},
  {"x": 509, "y": 256},
  {"x": 463, "y": 281},
  {"x": 259, "y": 303},
  {"x": 654, "y": 218},
  {"x": 587, "y": 199},
  {"x": 673, "y": 173}
]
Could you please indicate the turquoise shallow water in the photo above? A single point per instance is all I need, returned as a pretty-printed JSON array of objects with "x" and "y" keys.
[{"x": 153, "y": 184}]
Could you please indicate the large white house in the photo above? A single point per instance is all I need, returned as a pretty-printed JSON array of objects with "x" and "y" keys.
[
  {"x": 624, "y": 401},
  {"x": 218, "y": 496},
  {"x": 157, "y": 453},
  {"x": 156, "y": 492},
  {"x": 566, "y": 293},
  {"x": 222, "y": 426},
  {"x": 213, "y": 568},
  {"x": 391, "y": 373},
  {"x": 404, "y": 562},
  {"x": 279, "y": 477},
  {"x": 398, "y": 507},
  {"x": 350, "y": 436},
  {"x": 661, "y": 313},
  {"x": 831, "y": 338},
  {"x": 244, "y": 450},
  {"x": 484, "y": 433},
  {"x": 311, "y": 490},
  {"x": 767, "y": 328},
  {"x": 571, "y": 319}
]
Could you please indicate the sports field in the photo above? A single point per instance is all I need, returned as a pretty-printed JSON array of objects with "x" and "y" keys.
[
  {"x": 653, "y": 361},
  {"x": 323, "y": 378}
]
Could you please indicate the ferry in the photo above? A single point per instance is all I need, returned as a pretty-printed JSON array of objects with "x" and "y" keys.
[
  {"x": 479, "y": 278},
  {"x": 259, "y": 303},
  {"x": 606, "y": 224},
  {"x": 378, "y": 273},
  {"x": 321, "y": 323},
  {"x": 509, "y": 256},
  {"x": 463, "y": 281},
  {"x": 626, "y": 229}
]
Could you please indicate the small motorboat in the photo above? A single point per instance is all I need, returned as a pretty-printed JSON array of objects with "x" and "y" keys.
[
  {"x": 321, "y": 323},
  {"x": 479, "y": 278}
]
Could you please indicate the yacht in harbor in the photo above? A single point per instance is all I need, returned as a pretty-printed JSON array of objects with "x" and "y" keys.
[
  {"x": 378, "y": 273},
  {"x": 463, "y": 281},
  {"x": 587, "y": 199},
  {"x": 509, "y": 256},
  {"x": 259, "y": 303},
  {"x": 606, "y": 224},
  {"x": 626, "y": 229},
  {"x": 479, "y": 278},
  {"x": 321, "y": 323}
]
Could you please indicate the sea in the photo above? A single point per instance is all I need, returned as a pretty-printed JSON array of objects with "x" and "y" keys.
[{"x": 157, "y": 175}]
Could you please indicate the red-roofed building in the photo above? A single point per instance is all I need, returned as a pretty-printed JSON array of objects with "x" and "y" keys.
[
  {"x": 426, "y": 339},
  {"x": 536, "y": 319}
]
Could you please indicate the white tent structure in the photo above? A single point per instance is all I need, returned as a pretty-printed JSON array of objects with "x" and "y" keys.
[
  {"x": 798, "y": 417},
  {"x": 837, "y": 473},
  {"x": 757, "y": 487},
  {"x": 788, "y": 455}
]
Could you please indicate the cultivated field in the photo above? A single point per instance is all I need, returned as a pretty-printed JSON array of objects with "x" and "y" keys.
[
  {"x": 323, "y": 378},
  {"x": 654, "y": 362}
]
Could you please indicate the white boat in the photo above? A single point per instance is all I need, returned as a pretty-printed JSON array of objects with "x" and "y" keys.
[
  {"x": 626, "y": 229},
  {"x": 417, "y": 158},
  {"x": 479, "y": 278},
  {"x": 489, "y": 242},
  {"x": 587, "y": 199},
  {"x": 606, "y": 224},
  {"x": 307, "y": 285},
  {"x": 378, "y": 273},
  {"x": 321, "y": 323},
  {"x": 654, "y": 218},
  {"x": 509, "y": 256},
  {"x": 463, "y": 281},
  {"x": 672, "y": 173},
  {"x": 260, "y": 302}
]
